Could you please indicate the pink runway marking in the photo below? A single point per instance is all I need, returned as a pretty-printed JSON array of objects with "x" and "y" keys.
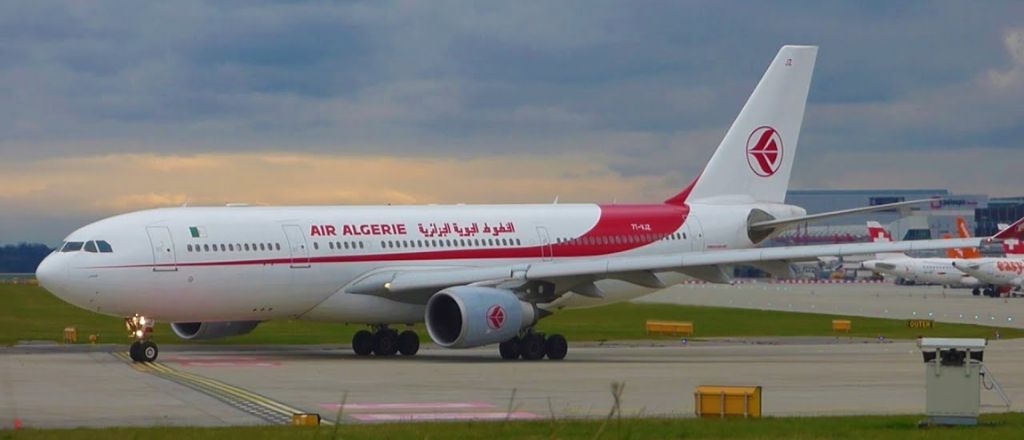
[
  {"x": 406, "y": 405},
  {"x": 426, "y": 417},
  {"x": 224, "y": 362}
]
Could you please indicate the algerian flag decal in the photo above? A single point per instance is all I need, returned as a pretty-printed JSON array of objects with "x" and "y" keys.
[{"x": 197, "y": 231}]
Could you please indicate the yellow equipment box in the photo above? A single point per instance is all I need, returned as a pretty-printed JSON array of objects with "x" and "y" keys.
[
  {"x": 70, "y": 335},
  {"x": 842, "y": 325},
  {"x": 305, "y": 419},
  {"x": 669, "y": 327},
  {"x": 725, "y": 401}
]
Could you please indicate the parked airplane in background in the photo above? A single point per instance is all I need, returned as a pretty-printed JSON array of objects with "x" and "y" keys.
[
  {"x": 999, "y": 274},
  {"x": 476, "y": 275},
  {"x": 922, "y": 270}
]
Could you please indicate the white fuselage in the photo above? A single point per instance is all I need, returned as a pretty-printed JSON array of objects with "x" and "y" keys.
[
  {"x": 1007, "y": 271},
  {"x": 923, "y": 270},
  {"x": 262, "y": 263}
]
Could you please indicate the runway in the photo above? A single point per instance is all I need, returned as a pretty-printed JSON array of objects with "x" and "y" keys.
[{"x": 53, "y": 387}]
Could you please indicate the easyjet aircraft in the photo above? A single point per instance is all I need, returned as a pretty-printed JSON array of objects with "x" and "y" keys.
[
  {"x": 1000, "y": 274},
  {"x": 476, "y": 275},
  {"x": 923, "y": 270}
]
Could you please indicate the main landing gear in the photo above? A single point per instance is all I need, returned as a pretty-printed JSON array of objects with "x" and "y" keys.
[
  {"x": 140, "y": 328},
  {"x": 534, "y": 346},
  {"x": 385, "y": 341}
]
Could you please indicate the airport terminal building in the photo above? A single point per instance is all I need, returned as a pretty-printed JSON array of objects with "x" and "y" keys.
[{"x": 929, "y": 220}]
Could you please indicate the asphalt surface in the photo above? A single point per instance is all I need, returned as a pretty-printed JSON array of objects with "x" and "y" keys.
[
  {"x": 53, "y": 386},
  {"x": 45, "y": 387}
]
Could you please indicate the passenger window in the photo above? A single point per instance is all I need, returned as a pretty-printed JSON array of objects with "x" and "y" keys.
[
  {"x": 247, "y": 247},
  {"x": 231, "y": 247},
  {"x": 189, "y": 247},
  {"x": 277, "y": 246},
  {"x": 90, "y": 246},
  {"x": 316, "y": 246},
  {"x": 206, "y": 247},
  {"x": 223, "y": 248}
]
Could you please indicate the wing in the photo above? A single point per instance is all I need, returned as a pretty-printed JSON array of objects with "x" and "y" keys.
[{"x": 548, "y": 280}]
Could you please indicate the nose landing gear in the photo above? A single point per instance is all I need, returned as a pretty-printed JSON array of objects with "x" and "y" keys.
[{"x": 140, "y": 328}]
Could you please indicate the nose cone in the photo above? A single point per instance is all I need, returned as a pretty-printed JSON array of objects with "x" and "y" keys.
[{"x": 52, "y": 273}]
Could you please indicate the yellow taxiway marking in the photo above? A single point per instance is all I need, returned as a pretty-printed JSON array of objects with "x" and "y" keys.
[{"x": 213, "y": 387}]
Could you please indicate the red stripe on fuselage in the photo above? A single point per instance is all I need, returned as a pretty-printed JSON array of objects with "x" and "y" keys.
[{"x": 620, "y": 228}]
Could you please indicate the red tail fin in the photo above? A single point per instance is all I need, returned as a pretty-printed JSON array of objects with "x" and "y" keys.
[
  {"x": 1013, "y": 246},
  {"x": 877, "y": 233},
  {"x": 1014, "y": 231}
]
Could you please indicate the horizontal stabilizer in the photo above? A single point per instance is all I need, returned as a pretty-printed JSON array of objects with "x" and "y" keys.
[{"x": 790, "y": 222}]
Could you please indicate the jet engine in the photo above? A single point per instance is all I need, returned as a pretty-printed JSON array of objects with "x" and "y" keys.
[
  {"x": 471, "y": 316},
  {"x": 199, "y": 331}
]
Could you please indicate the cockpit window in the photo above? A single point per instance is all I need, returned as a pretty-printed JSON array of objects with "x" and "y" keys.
[
  {"x": 72, "y": 246},
  {"x": 90, "y": 246},
  {"x": 104, "y": 247}
]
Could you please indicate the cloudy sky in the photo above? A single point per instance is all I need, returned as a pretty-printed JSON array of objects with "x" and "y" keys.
[{"x": 113, "y": 106}]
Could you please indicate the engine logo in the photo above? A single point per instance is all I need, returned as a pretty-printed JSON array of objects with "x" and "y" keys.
[
  {"x": 764, "y": 151},
  {"x": 496, "y": 317}
]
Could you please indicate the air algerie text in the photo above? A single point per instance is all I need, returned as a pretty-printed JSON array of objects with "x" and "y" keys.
[{"x": 356, "y": 230}]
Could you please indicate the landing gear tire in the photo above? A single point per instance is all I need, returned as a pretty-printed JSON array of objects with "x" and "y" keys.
[
  {"x": 976, "y": 292},
  {"x": 385, "y": 342},
  {"x": 143, "y": 351},
  {"x": 509, "y": 349},
  {"x": 532, "y": 347},
  {"x": 556, "y": 347},
  {"x": 362, "y": 343},
  {"x": 408, "y": 343}
]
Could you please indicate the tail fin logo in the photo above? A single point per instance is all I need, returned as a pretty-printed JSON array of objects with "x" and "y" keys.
[{"x": 764, "y": 151}]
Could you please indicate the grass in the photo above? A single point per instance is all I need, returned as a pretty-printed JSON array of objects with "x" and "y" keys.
[
  {"x": 30, "y": 313},
  {"x": 995, "y": 426}
]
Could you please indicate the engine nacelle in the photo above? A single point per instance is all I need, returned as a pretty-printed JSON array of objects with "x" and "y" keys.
[
  {"x": 470, "y": 316},
  {"x": 198, "y": 331}
]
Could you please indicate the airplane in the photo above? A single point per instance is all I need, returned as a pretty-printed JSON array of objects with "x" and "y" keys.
[
  {"x": 475, "y": 275},
  {"x": 922, "y": 270},
  {"x": 1000, "y": 274}
]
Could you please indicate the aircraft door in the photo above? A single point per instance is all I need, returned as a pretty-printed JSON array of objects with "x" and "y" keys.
[
  {"x": 164, "y": 259},
  {"x": 694, "y": 233},
  {"x": 546, "y": 253},
  {"x": 297, "y": 246}
]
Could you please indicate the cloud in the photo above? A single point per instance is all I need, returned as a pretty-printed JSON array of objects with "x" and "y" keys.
[
  {"x": 649, "y": 90},
  {"x": 125, "y": 182}
]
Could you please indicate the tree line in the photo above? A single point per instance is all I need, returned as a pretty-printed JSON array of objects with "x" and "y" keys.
[{"x": 22, "y": 257}]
